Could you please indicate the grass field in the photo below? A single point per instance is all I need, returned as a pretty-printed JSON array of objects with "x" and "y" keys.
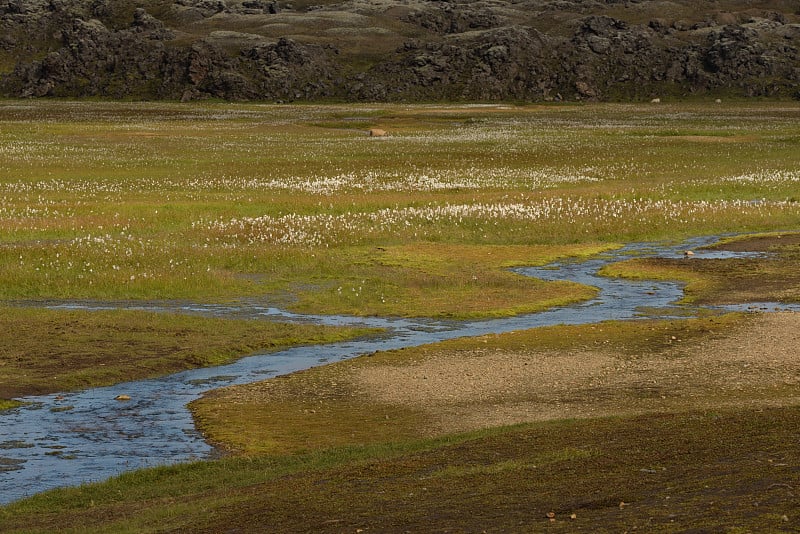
[{"x": 296, "y": 206}]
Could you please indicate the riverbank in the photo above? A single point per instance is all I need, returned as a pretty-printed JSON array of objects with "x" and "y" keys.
[
  {"x": 563, "y": 372},
  {"x": 704, "y": 436},
  {"x": 651, "y": 424},
  {"x": 58, "y": 350}
]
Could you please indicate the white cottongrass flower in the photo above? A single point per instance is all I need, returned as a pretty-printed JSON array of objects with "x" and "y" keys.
[{"x": 322, "y": 230}]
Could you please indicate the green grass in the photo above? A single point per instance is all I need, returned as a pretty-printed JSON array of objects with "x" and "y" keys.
[
  {"x": 444, "y": 280},
  {"x": 217, "y": 202},
  {"x": 61, "y": 350}
]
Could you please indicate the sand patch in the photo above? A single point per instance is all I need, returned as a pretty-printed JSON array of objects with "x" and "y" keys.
[{"x": 474, "y": 389}]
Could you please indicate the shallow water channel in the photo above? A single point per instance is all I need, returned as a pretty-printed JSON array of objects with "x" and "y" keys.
[{"x": 72, "y": 438}]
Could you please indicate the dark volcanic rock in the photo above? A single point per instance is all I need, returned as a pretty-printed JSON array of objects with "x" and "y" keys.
[
  {"x": 454, "y": 18},
  {"x": 431, "y": 50},
  {"x": 288, "y": 71},
  {"x": 95, "y": 61},
  {"x": 504, "y": 63}
]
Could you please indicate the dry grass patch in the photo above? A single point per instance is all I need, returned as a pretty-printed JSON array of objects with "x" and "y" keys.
[
  {"x": 494, "y": 385},
  {"x": 716, "y": 138}
]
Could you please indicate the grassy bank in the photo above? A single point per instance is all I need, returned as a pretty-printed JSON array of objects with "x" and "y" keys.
[
  {"x": 772, "y": 277},
  {"x": 719, "y": 471},
  {"x": 60, "y": 350},
  {"x": 446, "y": 385}
]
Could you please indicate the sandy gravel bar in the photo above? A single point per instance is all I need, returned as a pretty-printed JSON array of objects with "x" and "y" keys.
[{"x": 758, "y": 364}]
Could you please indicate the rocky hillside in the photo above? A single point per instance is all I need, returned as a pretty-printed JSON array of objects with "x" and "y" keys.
[{"x": 388, "y": 50}]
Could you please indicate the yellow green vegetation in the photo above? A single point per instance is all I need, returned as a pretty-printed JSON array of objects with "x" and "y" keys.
[
  {"x": 216, "y": 202},
  {"x": 61, "y": 350},
  {"x": 661, "y": 269},
  {"x": 9, "y": 404},
  {"x": 771, "y": 277},
  {"x": 447, "y": 280}
]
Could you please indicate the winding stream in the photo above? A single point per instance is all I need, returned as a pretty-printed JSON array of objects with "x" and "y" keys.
[{"x": 85, "y": 436}]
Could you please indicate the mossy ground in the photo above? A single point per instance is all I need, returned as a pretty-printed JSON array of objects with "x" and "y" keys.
[
  {"x": 9, "y": 404},
  {"x": 710, "y": 470},
  {"x": 449, "y": 280}
]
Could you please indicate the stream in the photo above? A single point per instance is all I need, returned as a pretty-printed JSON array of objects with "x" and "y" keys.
[{"x": 73, "y": 438}]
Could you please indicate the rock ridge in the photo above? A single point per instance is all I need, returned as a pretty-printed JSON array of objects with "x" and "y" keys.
[{"x": 399, "y": 50}]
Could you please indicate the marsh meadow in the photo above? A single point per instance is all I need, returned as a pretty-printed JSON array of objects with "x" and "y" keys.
[{"x": 297, "y": 207}]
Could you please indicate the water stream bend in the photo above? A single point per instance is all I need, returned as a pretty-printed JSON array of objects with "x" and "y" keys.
[{"x": 74, "y": 438}]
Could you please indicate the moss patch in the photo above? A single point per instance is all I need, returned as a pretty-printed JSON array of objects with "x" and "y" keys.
[
  {"x": 443, "y": 280},
  {"x": 9, "y": 404}
]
